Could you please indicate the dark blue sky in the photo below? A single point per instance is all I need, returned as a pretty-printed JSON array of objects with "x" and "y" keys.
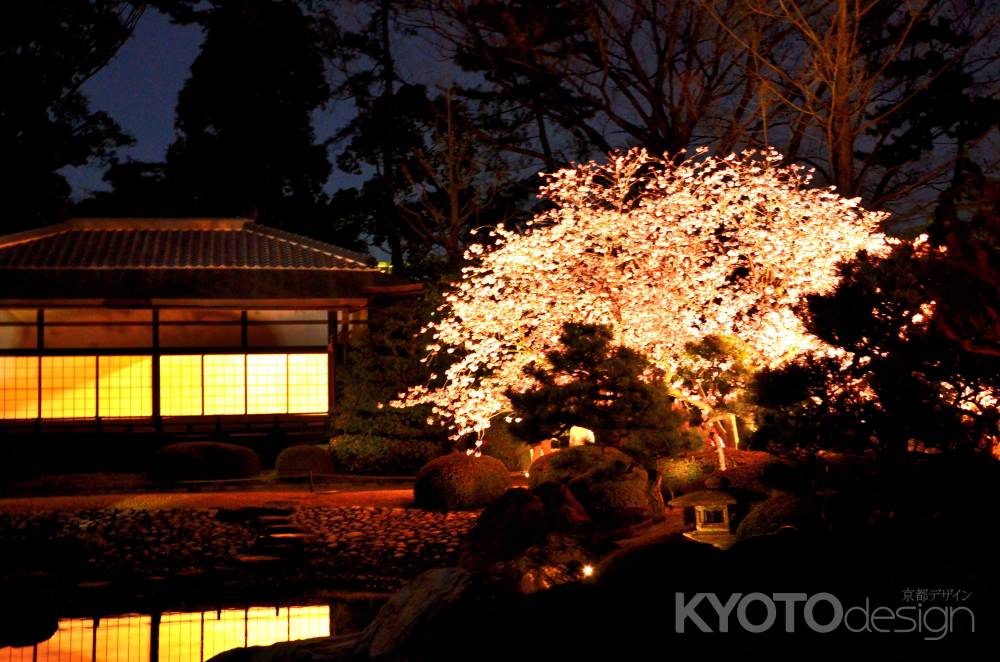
[{"x": 139, "y": 90}]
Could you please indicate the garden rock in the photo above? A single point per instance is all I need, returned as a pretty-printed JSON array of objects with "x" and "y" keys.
[
  {"x": 559, "y": 560},
  {"x": 506, "y": 528},
  {"x": 779, "y": 512},
  {"x": 407, "y": 612},
  {"x": 563, "y": 513},
  {"x": 607, "y": 492}
]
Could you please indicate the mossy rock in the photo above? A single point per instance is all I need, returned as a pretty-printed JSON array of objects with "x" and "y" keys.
[
  {"x": 609, "y": 484},
  {"x": 614, "y": 493},
  {"x": 458, "y": 480},
  {"x": 304, "y": 459},
  {"x": 565, "y": 465},
  {"x": 205, "y": 460}
]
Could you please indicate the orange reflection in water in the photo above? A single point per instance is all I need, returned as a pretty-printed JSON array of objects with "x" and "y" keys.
[{"x": 183, "y": 637}]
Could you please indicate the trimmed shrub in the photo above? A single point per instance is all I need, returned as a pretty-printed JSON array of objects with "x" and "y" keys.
[
  {"x": 458, "y": 480},
  {"x": 204, "y": 460},
  {"x": 303, "y": 459},
  {"x": 370, "y": 455},
  {"x": 778, "y": 512}
]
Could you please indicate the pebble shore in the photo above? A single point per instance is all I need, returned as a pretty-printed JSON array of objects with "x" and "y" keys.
[{"x": 353, "y": 548}]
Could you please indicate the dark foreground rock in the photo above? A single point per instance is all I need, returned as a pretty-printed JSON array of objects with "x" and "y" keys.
[
  {"x": 629, "y": 609},
  {"x": 403, "y": 624}
]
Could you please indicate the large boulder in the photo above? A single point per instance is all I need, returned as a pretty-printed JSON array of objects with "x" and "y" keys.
[
  {"x": 205, "y": 460},
  {"x": 408, "y": 626},
  {"x": 618, "y": 496},
  {"x": 458, "y": 480},
  {"x": 778, "y": 512},
  {"x": 407, "y": 613},
  {"x": 530, "y": 540},
  {"x": 563, "y": 512},
  {"x": 506, "y": 528},
  {"x": 303, "y": 459}
]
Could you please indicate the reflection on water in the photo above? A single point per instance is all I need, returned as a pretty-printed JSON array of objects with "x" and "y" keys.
[{"x": 173, "y": 637}]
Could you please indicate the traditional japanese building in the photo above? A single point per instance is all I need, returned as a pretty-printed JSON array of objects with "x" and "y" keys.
[{"x": 176, "y": 325}]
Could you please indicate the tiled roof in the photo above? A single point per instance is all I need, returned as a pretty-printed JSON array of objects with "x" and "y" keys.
[{"x": 172, "y": 244}]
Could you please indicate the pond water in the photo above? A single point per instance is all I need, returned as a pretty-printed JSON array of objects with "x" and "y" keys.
[{"x": 176, "y": 636}]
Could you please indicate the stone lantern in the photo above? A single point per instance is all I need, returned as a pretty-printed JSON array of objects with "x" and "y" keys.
[{"x": 712, "y": 523}]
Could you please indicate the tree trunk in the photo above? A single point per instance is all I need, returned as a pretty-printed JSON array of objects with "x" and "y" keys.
[
  {"x": 840, "y": 134},
  {"x": 655, "y": 494},
  {"x": 391, "y": 219}
]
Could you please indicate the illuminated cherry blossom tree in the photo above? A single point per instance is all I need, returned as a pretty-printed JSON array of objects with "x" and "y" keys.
[{"x": 665, "y": 251}]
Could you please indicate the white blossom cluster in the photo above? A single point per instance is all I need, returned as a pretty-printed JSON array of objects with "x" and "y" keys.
[{"x": 666, "y": 251}]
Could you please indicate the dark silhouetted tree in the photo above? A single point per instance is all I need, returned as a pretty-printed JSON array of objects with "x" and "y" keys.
[
  {"x": 921, "y": 329},
  {"x": 431, "y": 172},
  {"x": 382, "y": 127},
  {"x": 448, "y": 183},
  {"x": 48, "y": 50},
  {"x": 245, "y": 141}
]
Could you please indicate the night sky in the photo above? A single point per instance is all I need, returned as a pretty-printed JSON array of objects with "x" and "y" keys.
[{"x": 139, "y": 90}]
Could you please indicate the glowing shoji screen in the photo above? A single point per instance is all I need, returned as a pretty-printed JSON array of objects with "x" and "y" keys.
[
  {"x": 180, "y": 385},
  {"x": 267, "y": 383},
  {"x": 224, "y": 384},
  {"x": 18, "y": 387},
  {"x": 69, "y": 386},
  {"x": 307, "y": 383},
  {"x": 125, "y": 386},
  {"x": 190, "y": 385}
]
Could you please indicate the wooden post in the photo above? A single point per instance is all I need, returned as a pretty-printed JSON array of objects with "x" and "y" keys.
[
  {"x": 154, "y": 637},
  {"x": 331, "y": 356},
  {"x": 157, "y": 419}
]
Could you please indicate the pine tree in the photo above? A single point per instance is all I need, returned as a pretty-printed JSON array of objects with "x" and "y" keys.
[{"x": 588, "y": 382}]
